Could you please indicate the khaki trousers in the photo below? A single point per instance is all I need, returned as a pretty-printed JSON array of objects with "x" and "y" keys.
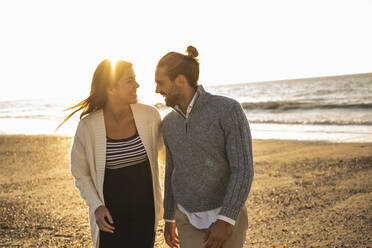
[{"x": 191, "y": 237}]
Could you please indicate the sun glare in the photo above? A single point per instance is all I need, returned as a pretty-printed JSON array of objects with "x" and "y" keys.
[{"x": 113, "y": 60}]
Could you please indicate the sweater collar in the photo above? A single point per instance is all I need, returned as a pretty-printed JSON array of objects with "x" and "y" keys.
[
  {"x": 200, "y": 92},
  {"x": 200, "y": 100}
]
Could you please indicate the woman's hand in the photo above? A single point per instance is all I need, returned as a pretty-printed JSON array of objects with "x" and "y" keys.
[{"x": 101, "y": 213}]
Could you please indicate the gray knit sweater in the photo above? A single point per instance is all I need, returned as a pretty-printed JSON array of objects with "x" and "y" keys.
[{"x": 209, "y": 160}]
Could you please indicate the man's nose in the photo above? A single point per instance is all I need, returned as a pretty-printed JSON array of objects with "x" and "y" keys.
[{"x": 157, "y": 89}]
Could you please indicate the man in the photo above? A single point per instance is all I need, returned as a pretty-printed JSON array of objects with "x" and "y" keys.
[{"x": 209, "y": 165}]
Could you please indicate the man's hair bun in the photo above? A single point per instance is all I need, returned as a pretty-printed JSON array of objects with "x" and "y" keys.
[{"x": 192, "y": 52}]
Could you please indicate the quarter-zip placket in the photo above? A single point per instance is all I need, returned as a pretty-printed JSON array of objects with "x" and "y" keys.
[
  {"x": 188, "y": 114},
  {"x": 185, "y": 120}
]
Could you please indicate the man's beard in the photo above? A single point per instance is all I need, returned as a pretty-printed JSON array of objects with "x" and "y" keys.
[{"x": 171, "y": 99}]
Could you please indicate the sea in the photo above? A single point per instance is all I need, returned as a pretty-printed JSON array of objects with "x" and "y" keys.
[{"x": 333, "y": 109}]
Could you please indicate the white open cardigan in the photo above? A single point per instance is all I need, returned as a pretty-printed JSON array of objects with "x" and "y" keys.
[{"x": 88, "y": 158}]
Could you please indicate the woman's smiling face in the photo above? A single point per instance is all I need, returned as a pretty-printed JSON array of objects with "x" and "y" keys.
[{"x": 125, "y": 90}]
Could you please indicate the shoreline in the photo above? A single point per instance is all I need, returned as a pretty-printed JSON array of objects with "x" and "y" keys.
[
  {"x": 304, "y": 193},
  {"x": 267, "y": 131},
  {"x": 253, "y": 139}
]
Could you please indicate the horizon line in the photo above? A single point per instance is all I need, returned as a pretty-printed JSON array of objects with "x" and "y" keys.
[{"x": 295, "y": 79}]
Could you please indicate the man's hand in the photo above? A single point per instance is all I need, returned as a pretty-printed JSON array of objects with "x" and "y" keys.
[
  {"x": 100, "y": 213},
  {"x": 217, "y": 234},
  {"x": 170, "y": 234}
]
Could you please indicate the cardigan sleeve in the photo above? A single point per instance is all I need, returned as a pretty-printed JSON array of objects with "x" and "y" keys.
[
  {"x": 159, "y": 138},
  {"x": 81, "y": 172},
  {"x": 238, "y": 146}
]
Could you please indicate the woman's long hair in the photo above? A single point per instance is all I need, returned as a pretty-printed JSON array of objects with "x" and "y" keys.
[{"x": 105, "y": 76}]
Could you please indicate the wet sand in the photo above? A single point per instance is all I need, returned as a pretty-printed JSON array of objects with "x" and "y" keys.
[{"x": 304, "y": 194}]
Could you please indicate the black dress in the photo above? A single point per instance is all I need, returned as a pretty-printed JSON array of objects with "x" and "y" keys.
[{"x": 128, "y": 194}]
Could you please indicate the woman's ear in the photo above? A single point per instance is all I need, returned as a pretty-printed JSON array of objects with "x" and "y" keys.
[{"x": 110, "y": 91}]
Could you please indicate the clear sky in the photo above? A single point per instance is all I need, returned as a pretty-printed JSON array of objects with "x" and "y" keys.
[{"x": 51, "y": 48}]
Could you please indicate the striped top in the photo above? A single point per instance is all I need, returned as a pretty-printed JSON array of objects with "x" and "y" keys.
[{"x": 125, "y": 152}]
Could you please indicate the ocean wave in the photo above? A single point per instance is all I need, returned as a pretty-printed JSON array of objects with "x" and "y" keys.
[
  {"x": 289, "y": 105},
  {"x": 43, "y": 117},
  {"x": 313, "y": 122}
]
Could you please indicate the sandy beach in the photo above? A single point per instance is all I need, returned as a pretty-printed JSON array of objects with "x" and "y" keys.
[{"x": 304, "y": 194}]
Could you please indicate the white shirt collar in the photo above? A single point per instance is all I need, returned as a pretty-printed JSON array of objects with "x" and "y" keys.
[{"x": 189, "y": 108}]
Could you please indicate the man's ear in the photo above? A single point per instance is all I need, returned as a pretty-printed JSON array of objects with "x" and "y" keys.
[{"x": 181, "y": 80}]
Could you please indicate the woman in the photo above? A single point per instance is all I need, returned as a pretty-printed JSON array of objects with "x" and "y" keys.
[{"x": 114, "y": 159}]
